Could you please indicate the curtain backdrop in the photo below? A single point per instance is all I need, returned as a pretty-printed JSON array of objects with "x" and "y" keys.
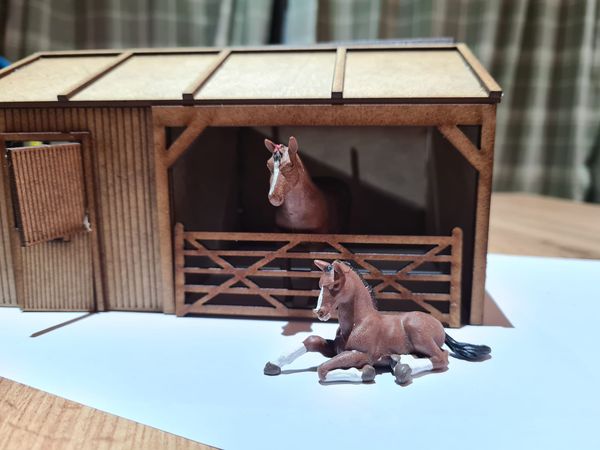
[{"x": 544, "y": 53}]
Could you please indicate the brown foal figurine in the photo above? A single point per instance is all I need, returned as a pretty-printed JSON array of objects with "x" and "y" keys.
[
  {"x": 302, "y": 206},
  {"x": 366, "y": 337}
]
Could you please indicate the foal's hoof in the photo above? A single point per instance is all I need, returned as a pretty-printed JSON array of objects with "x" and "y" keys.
[
  {"x": 403, "y": 373},
  {"x": 368, "y": 374},
  {"x": 271, "y": 369}
]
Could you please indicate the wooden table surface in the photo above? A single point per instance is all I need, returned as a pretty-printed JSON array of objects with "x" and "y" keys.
[
  {"x": 523, "y": 224},
  {"x": 520, "y": 224}
]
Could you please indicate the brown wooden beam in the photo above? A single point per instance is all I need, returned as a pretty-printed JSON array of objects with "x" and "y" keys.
[
  {"x": 463, "y": 144},
  {"x": 493, "y": 89},
  {"x": 183, "y": 142},
  {"x": 17, "y": 65},
  {"x": 194, "y": 86},
  {"x": 337, "y": 88},
  {"x": 482, "y": 216},
  {"x": 82, "y": 84}
]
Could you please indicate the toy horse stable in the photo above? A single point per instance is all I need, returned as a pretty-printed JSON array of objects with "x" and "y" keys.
[
  {"x": 366, "y": 338},
  {"x": 161, "y": 155}
]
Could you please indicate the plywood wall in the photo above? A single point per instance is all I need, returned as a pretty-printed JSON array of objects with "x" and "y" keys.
[
  {"x": 125, "y": 194},
  {"x": 8, "y": 296}
]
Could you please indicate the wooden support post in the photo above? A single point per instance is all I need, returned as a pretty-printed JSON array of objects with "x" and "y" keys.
[
  {"x": 179, "y": 243},
  {"x": 482, "y": 214},
  {"x": 163, "y": 219},
  {"x": 456, "y": 278}
]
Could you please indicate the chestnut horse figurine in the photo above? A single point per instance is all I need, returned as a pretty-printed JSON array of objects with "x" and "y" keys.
[
  {"x": 302, "y": 206},
  {"x": 366, "y": 337}
]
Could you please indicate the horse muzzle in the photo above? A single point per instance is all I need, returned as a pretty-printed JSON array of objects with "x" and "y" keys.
[
  {"x": 322, "y": 315},
  {"x": 275, "y": 200}
]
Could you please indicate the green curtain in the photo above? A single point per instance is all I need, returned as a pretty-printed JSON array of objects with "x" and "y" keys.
[{"x": 544, "y": 53}]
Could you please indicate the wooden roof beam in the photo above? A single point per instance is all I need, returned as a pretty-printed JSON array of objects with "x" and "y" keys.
[
  {"x": 81, "y": 85},
  {"x": 337, "y": 88},
  {"x": 485, "y": 79},
  {"x": 194, "y": 86},
  {"x": 19, "y": 64}
]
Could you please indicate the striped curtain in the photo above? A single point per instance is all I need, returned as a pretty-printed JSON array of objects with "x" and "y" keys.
[{"x": 544, "y": 53}]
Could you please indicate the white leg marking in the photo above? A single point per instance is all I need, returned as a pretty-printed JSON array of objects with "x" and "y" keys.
[
  {"x": 275, "y": 176},
  {"x": 288, "y": 358},
  {"x": 417, "y": 365},
  {"x": 352, "y": 374}
]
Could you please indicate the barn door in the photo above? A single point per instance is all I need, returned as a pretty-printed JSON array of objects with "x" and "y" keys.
[{"x": 52, "y": 220}]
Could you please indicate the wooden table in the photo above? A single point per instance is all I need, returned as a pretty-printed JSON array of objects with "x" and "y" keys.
[
  {"x": 523, "y": 224},
  {"x": 520, "y": 224}
]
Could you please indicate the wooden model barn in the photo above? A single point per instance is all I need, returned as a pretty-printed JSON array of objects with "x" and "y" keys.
[{"x": 149, "y": 191}]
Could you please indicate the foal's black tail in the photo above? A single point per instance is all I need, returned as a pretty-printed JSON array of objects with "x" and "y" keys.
[{"x": 470, "y": 352}]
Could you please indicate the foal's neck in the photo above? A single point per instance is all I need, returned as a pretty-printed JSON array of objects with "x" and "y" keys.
[{"x": 360, "y": 306}]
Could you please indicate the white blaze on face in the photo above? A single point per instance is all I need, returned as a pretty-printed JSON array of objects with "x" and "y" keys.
[
  {"x": 275, "y": 176},
  {"x": 320, "y": 300}
]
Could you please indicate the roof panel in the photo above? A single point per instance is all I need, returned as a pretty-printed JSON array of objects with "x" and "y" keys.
[
  {"x": 388, "y": 73},
  {"x": 277, "y": 75},
  {"x": 44, "y": 78},
  {"x": 148, "y": 77},
  {"x": 409, "y": 74}
]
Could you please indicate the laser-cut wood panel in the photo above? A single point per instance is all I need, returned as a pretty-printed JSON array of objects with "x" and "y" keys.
[
  {"x": 404, "y": 271},
  {"x": 49, "y": 191}
]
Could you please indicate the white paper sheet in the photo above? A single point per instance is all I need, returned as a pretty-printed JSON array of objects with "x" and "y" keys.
[{"x": 202, "y": 378}]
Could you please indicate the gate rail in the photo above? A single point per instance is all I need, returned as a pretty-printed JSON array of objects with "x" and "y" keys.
[{"x": 392, "y": 284}]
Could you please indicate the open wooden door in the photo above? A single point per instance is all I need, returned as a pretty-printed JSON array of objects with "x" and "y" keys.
[{"x": 54, "y": 243}]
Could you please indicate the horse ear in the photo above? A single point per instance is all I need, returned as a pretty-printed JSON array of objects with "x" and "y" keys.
[
  {"x": 338, "y": 268},
  {"x": 321, "y": 264},
  {"x": 293, "y": 146},
  {"x": 270, "y": 145}
]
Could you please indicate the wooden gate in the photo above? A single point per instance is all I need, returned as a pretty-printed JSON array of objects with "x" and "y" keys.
[{"x": 256, "y": 274}]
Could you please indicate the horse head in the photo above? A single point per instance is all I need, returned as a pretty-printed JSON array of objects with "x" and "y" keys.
[
  {"x": 283, "y": 166},
  {"x": 332, "y": 284}
]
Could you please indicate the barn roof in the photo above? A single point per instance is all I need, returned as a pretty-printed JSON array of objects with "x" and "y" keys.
[{"x": 440, "y": 73}]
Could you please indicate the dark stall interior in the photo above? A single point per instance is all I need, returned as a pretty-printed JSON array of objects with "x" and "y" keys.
[{"x": 393, "y": 180}]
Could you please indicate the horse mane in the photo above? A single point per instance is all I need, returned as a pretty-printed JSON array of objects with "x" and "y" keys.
[{"x": 364, "y": 282}]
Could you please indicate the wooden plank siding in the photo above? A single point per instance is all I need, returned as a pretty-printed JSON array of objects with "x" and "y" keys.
[
  {"x": 8, "y": 295},
  {"x": 57, "y": 276},
  {"x": 125, "y": 191}
]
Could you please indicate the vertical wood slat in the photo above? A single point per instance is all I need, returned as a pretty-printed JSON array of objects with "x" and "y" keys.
[
  {"x": 8, "y": 295},
  {"x": 128, "y": 246},
  {"x": 58, "y": 276},
  {"x": 455, "y": 276}
]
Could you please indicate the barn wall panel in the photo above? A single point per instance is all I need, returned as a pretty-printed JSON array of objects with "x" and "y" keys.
[
  {"x": 8, "y": 296},
  {"x": 125, "y": 194}
]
